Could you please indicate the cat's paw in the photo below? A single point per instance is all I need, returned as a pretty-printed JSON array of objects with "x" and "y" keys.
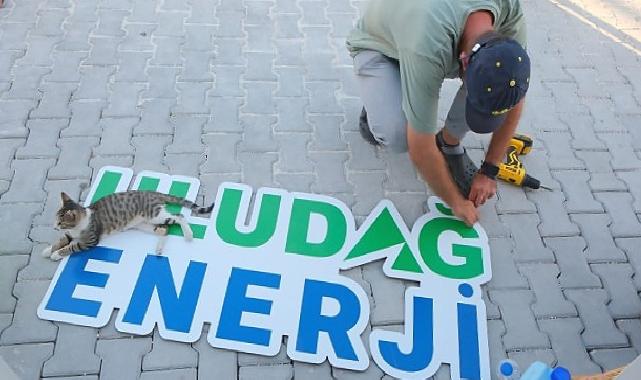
[
  {"x": 46, "y": 252},
  {"x": 56, "y": 256}
]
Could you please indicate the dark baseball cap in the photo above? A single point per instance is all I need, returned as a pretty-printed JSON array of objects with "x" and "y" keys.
[{"x": 497, "y": 78}]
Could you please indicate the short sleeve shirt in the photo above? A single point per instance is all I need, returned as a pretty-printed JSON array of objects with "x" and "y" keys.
[{"x": 423, "y": 35}]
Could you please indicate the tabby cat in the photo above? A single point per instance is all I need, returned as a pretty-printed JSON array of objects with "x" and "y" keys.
[{"x": 84, "y": 226}]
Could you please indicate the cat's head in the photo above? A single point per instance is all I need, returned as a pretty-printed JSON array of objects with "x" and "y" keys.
[{"x": 70, "y": 213}]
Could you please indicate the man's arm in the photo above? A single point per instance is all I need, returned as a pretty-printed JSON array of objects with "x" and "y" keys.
[
  {"x": 483, "y": 187},
  {"x": 430, "y": 163}
]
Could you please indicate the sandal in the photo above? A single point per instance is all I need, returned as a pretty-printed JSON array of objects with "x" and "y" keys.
[{"x": 461, "y": 166}]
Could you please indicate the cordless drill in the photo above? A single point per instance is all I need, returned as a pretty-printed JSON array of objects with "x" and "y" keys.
[{"x": 512, "y": 170}]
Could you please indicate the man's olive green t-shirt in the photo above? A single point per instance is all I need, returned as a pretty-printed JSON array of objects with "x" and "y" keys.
[{"x": 423, "y": 35}]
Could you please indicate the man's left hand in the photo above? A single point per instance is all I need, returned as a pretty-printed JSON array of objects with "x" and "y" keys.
[{"x": 483, "y": 188}]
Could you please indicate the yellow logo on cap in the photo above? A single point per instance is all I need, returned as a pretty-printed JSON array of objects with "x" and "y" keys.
[{"x": 501, "y": 112}]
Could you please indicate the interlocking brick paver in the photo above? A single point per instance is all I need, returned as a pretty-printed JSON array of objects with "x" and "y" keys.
[
  {"x": 39, "y": 267},
  {"x": 131, "y": 66},
  {"x": 581, "y": 127},
  {"x": 221, "y": 153},
  {"x": 224, "y": 115},
  {"x": 41, "y": 142},
  {"x": 323, "y": 97},
  {"x": 214, "y": 362},
  {"x": 632, "y": 328},
  {"x": 26, "y": 326},
  {"x": 575, "y": 272},
  {"x": 633, "y": 181},
  {"x": 566, "y": 341},
  {"x": 155, "y": 117},
  {"x": 594, "y": 229},
  {"x": 246, "y": 360},
  {"x": 544, "y": 281},
  {"x": 516, "y": 312},
  {"x": 28, "y": 178},
  {"x": 276, "y": 372},
  {"x": 293, "y": 152},
  {"x": 621, "y": 149},
  {"x": 73, "y": 353},
  {"x": 16, "y": 219},
  {"x": 258, "y": 133},
  {"x": 123, "y": 101},
  {"x": 327, "y": 133},
  {"x": 9, "y": 270},
  {"x": 579, "y": 198},
  {"x": 73, "y": 161},
  {"x": 167, "y": 354},
  {"x": 528, "y": 244},
  {"x": 624, "y": 300},
  {"x": 330, "y": 171},
  {"x": 312, "y": 371},
  {"x": 26, "y": 359},
  {"x": 150, "y": 152},
  {"x": 495, "y": 332},
  {"x": 116, "y": 135},
  {"x": 632, "y": 248},
  {"x": 54, "y": 102},
  {"x": 291, "y": 115},
  {"x": 600, "y": 331},
  {"x": 619, "y": 207},
  {"x": 258, "y": 168},
  {"x": 121, "y": 358},
  {"x": 387, "y": 294},
  {"x": 613, "y": 358},
  {"x": 602, "y": 176},
  {"x": 512, "y": 200},
  {"x": 554, "y": 218},
  {"x": 505, "y": 274},
  {"x": 187, "y": 135},
  {"x": 170, "y": 374},
  {"x": 85, "y": 119}
]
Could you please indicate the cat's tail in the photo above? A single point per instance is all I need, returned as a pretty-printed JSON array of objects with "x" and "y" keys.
[{"x": 189, "y": 204}]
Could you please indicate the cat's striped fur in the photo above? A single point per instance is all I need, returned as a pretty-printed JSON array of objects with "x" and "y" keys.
[{"x": 84, "y": 226}]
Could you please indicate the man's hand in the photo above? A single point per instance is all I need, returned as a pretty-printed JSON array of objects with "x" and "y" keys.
[
  {"x": 483, "y": 188},
  {"x": 466, "y": 211}
]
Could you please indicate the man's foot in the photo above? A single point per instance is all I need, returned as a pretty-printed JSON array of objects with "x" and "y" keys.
[
  {"x": 460, "y": 164},
  {"x": 363, "y": 127}
]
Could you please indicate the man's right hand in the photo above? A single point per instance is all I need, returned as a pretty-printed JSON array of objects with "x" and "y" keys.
[{"x": 465, "y": 210}]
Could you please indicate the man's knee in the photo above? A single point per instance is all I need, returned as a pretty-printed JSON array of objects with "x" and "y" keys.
[{"x": 391, "y": 133}]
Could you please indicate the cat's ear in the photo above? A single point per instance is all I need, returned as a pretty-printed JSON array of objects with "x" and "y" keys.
[{"x": 64, "y": 197}]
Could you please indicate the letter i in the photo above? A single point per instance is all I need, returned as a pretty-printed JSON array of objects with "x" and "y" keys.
[{"x": 468, "y": 336}]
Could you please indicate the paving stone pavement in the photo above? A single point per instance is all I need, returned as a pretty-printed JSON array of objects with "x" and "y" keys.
[{"x": 261, "y": 91}]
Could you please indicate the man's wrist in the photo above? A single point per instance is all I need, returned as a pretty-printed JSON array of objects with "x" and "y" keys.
[{"x": 489, "y": 170}]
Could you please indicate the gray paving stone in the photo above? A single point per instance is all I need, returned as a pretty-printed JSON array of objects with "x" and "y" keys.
[
  {"x": 289, "y": 52},
  {"x": 566, "y": 341},
  {"x": 301, "y": 182},
  {"x": 39, "y": 52},
  {"x": 73, "y": 161},
  {"x": 621, "y": 149},
  {"x": 27, "y": 327},
  {"x": 54, "y": 102},
  {"x": 166, "y": 54},
  {"x": 560, "y": 154},
  {"x": 322, "y": 97},
  {"x": 257, "y": 168},
  {"x": 600, "y": 331},
  {"x": 109, "y": 330},
  {"x": 94, "y": 82},
  {"x": 581, "y": 127},
  {"x": 214, "y": 362},
  {"x": 13, "y": 116},
  {"x": 27, "y": 81},
  {"x": 632, "y": 328},
  {"x": 619, "y": 207},
  {"x": 187, "y": 135},
  {"x": 505, "y": 274},
  {"x": 224, "y": 115},
  {"x": 162, "y": 82},
  {"x": 610, "y": 359},
  {"x": 319, "y": 67},
  {"x": 330, "y": 171},
  {"x": 229, "y": 50},
  {"x": 104, "y": 50},
  {"x": 312, "y": 371},
  {"x": 28, "y": 178},
  {"x": 495, "y": 330},
  {"x": 41, "y": 143},
  {"x": 167, "y": 354},
  {"x": 150, "y": 152},
  {"x": 617, "y": 280},
  {"x": 10, "y": 267},
  {"x": 259, "y": 98},
  {"x": 632, "y": 248},
  {"x": 575, "y": 272},
  {"x": 554, "y": 218},
  {"x": 98, "y": 162},
  {"x": 388, "y": 294},
  {"x": 601, "y": 247},
  {"x": 327, "y": 133},
  {"x": 155, "y": 117},
  {"x": 276, "y": 372},
  {"x": 525, "y": 358},
  {"x": 528, "y": 244},
  {"x": 121, "y": 358},
  {"x": 131, "y": 66},
  {"x": 578, "y": 197},
  {"x": 39, "y": 267},
  {"x": 293, "y": 152},
  {"x": 16, "y": 219},
  {"x": 401, "y": 174},
  {"x": 248, "y": 360},
  {"x": 85, "y": 118},
  {"x": 196, "y": 66},
  {"x": 77, "y": 37},
  {"x": 522, "y": 330},
  {"x": 368, "y": 190},
  {"x": 5, "y": 321},
  {"x": 221, "y": 153},
  {"x": 170, "y": 24},
  {"x": 291, "y": 115},
  {"x": 512, "y": 200},
  {"x": 227, "y": 81},
  {"x": 73, "y": 353},
  {"x": 116, "y": 136},
  {"x": 260, "y": 67},
  {"x": 201, "y": 11},
  {"x": 26, "y": 359},
  {"x": 138, "y": 37},
  {"x": 259, "y": 38},
  {"x": 602, "y": 176},
  {"x": 123, "y": 101},
  {"x": 550, "y": 301},
  {"x": 184, "y": 163},
  {"x": 258, "y": 134},
  {"x": 110, "y": 22},
  {"x": 170, "y": 374},
  {"x": 633, "y": 181},
  {"x": 143, "y": 12}
]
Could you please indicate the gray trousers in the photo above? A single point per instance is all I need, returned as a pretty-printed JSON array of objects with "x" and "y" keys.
[{"x": 379, "y": 79}]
